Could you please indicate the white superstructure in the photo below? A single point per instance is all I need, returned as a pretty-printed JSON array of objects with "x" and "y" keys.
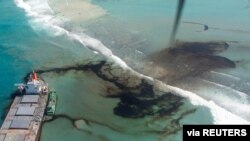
[{"x": 33, "y": 86}]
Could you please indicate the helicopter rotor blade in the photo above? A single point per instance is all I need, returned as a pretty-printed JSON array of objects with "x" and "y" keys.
[{"x": 178, "y": 15}]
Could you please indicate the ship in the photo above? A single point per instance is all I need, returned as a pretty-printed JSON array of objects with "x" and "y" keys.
[
  {"x": 37, "y": 85},
  {"x": 33, "y": 86},
  {"x": 51, "y": 107},
  {"x": 28, "y": 110}
]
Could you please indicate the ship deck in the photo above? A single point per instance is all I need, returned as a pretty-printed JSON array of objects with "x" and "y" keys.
[{"x": 24, "y": 119}]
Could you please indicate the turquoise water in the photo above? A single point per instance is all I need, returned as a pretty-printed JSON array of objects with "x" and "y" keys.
[
  {"x": 147, "y": 22},
  {"x": 23, "y": 49},
  {"x": 14, "y": 30},
  {"x": 133, "y": 30}
]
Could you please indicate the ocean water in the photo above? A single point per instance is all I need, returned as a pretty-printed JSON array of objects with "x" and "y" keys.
[
  {"x": 43, "y": 34},
  {"x": 12, "y": 26}
]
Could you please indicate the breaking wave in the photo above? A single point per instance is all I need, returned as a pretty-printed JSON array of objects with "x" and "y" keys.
[
  {"x": 220, "y": 115},
  {"x": 41, "y": 18}
]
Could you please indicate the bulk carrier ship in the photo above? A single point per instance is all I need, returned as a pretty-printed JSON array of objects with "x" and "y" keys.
[{"x": 33, "y": 103}]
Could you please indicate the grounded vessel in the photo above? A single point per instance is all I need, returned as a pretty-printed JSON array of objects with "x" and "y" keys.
[{"x": 26, "y": 114}]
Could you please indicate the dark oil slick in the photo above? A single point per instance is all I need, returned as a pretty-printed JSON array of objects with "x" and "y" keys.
[
  {"x": 187, "y": 59},
  {"x": 136, "y": 101}
]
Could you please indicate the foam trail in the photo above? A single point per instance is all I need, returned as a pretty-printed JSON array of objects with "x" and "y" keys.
[
  {"x": 42, "y": 19},
  {"x": 226, "y": 75},
  {"x": 221, "y": 115},
  {"x": 239, "y": 84},
  {"x": 45, "y": 19},
  {"x": 241, "y": 94},
  {"x": 85, "y": 40}
]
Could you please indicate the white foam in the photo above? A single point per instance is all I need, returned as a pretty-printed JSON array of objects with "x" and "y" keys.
[
  {"x": 226, "y": 75},
  {"x": 241, "y": 94},
  {"x": 220, "y": 115},
  {"x": 41, "y": 16}
]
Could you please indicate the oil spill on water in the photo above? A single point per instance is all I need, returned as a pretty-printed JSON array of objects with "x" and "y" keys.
[
  {"x": 139, "y": 97},
  {"x": 207, "y": 27},
  {"x": 185, "y": 59}
]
